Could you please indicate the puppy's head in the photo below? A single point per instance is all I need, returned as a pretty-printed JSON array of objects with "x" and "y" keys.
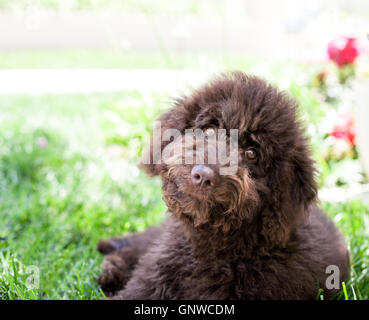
[{"x": 247, "y": 162}]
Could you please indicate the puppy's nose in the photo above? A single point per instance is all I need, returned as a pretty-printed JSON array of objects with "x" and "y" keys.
[{"x": 203, "y": 176}]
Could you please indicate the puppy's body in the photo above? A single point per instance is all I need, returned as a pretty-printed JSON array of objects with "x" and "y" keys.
[
  {"x": 178, "y": 267},
  {"x": 255, "y": 234}
]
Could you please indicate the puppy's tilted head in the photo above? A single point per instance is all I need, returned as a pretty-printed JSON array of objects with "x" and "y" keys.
[{"x": 268, "y": 181}]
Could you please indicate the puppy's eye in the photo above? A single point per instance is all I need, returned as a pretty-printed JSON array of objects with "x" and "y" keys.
[
  {"x": 209, "y": 132},
  {"x": 251, "y": 154}
]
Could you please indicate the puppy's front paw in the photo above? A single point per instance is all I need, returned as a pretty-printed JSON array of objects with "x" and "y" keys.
[
  {"x": 113, "y": 244},
  {"x": 105, "y": 246},
  {"x": 117, "y": 269}
]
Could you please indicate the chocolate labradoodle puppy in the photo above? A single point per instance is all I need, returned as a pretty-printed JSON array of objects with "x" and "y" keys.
[{"x": 255, "y": 233}]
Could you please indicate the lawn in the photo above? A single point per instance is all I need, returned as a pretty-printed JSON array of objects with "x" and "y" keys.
[
  {"x": 64, "y": 185},
  {"x": 68, "y": 178},
  {"x": 129, "y": 59}
]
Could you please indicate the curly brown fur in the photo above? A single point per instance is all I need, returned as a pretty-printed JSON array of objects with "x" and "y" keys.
[{"x": 255, "y": 234}]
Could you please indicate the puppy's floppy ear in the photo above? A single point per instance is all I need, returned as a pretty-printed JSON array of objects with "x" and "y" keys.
[
  {"x": 303, "y": 187},
  {"x": 174, "y": 118},
  {"x": 294, "y": 190},
  {"x": 179, "y": 117},
  {"x": 148, "y": 162}
]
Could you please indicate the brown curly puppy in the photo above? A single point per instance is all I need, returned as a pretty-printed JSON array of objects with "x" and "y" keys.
[{"x": 253, "y": 234}]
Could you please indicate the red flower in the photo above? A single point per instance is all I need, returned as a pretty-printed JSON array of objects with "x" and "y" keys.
[
  {"x": 345, "y": 128},
  {"x": 343, "y": 50}
]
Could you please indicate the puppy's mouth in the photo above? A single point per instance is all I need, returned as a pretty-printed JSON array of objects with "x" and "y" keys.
[
  {"x": 199, "y": 190},
  {"x": 185, "y": 189},
  {"x": 191, "y": 203}
]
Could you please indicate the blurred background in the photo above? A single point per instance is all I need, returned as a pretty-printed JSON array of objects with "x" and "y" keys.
[{"x": 82, "y": 80}]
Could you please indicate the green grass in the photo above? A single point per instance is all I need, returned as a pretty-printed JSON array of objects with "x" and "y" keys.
[
  {"x": 56, "y": 201},
  {"x": 352, "y": 218},
  {"x": 97, "y": 58},
  {"x": 128, "y": 59},
  {"x": 67, "y": 178},
  {"x": 79, "y": 58}
]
